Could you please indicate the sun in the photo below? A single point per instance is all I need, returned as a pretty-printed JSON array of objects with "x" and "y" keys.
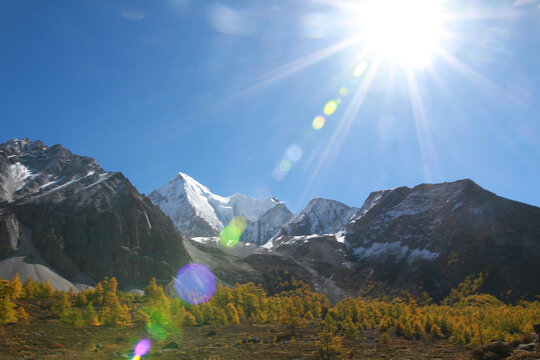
[{"x": 408, "y": 32}]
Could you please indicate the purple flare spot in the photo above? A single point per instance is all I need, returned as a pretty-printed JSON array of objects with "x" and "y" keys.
[
  {"x": 142, "y": 347},
  {"x": 195, "y": 284}
]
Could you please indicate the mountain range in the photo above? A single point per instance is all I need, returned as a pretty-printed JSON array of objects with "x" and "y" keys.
[{"x": 64, "y": 219}]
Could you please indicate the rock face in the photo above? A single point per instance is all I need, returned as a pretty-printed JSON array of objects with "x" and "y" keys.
[
  {"x": 63, "y": 217},
  {"x": 197, "y": 212},
  {"x": 270, "y": 223},
  {"x": 9, "y": 233},
  {"x": 320, "y": 216},
  {"x": 429, "y": 238},
  {"x": 82, "y": 218}
]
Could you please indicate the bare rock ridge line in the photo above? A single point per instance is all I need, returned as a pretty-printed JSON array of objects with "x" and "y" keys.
[
  {"x": 197, "y": 212},
  {"x": 84, "y": 222},
  {"x": 63, "y": 218},
  {"x": 423, "y": 239}
]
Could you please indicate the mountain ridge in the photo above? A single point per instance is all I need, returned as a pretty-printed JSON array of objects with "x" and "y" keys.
[
  {"x": 81, "y": 219},
  {"x": 196, "y": 211},
  {"x": 81, "y": 223}
]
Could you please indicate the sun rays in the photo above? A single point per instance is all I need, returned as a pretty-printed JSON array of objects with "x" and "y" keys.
[{"x": 396, "y": 46}]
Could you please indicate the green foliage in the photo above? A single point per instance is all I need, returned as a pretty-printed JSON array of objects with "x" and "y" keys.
[
  {"x": 44, "y": 291},
  {"x": 384, "y": 339},
  {"x": 61, "y": 305},
  {"x": 8, "y": 313},
  {"x": 73, "y": 317},
  {"x": 29, "y": 290},
  {"x": 466, "y": 317},
  {"x": 112, "y": 312},
  {"x": 467, "y": 288},
  {"x": 330, "y": 346}
]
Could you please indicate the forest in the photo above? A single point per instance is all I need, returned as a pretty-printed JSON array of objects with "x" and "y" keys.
[{"x": 465, "y": 318}]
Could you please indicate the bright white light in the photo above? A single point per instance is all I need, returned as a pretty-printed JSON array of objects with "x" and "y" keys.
[{"x": 405, "y": 31}]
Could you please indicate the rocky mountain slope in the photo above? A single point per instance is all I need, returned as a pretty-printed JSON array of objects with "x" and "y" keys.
[
  {"x": 64, "y": 213},
  {"x": 425, "y": 239},
  {"x": 64, "y": 219},
  {"x": 429, "y": 238}
]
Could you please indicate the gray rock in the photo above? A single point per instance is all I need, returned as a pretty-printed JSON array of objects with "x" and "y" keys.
[
  {"x": 527, "y": 347},
  {"x": 83, "y": 219}
]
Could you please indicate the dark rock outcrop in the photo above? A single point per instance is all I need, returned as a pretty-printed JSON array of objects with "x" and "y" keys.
[
  {"x": 82, "y": 218},
  {"x": 9, "y": 233},
  {"x": 260, "y": 231},
  {"x": 428, "y": 238}
]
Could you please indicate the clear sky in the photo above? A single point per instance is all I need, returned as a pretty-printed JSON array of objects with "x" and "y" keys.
[{"x": 227, "y": 92}]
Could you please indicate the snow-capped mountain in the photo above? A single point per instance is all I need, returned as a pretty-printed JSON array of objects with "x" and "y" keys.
[
  {"x": 429, "y": 237},
  {"x": 64, "y": 219},
  {"x": 30, "y": 169},
  {"x": 320, "y": 216},
  {"x": 197, "y": 212}
]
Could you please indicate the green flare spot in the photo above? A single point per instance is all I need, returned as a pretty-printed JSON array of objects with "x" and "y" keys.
[{"x": 230, "y": 235}]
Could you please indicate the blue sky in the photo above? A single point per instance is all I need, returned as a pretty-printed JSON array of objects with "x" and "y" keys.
[{"x": 226, "y": 92}]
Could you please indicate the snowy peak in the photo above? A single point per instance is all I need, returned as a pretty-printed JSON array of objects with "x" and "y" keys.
[
  {"x": 423, "y": 198},
  {"x": 187, "y": 203},
  {"x": 320, "y": 216},
  {"x": 83, "y": 223},
  {"x": 196, "y": 211},
  {"x": 31, "y": 169}
]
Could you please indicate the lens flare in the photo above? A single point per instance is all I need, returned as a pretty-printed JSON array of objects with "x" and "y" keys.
[
  {"x": 360, "y": 68},
  {"x": 285, "y": 165},
  {"x": 156, "y": 331},
  {"x": 278, "y": 174},
  {"x": 318, "y": 122},
  {"x": 294, "y": 153},
  {"x": 141, "y": 348},
  {"x": 231, "y": 234},
  {"x": 330, "y": 107},
  {"x": 343, "y": 91},
  {"x": 195, "y": 284}
]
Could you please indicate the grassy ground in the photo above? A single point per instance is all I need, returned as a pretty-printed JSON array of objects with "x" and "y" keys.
[{"x": 49, "y": 339}]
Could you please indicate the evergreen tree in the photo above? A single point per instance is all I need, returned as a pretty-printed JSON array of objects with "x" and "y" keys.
[
  {"x": 291, "y": 317},
  {"x": 330, "y": 347},
  {"x": 29, "y": 289},
  {"x": 45, "y": 290},
  {"x": 189, "y": 319},
  {"x": 436, "y": 331},
  {"x": 61, "y": 305},
  {"x": 22, "y": 315},
  {"x": 232, "y": 314},
  {"x": 80, "y": 300},
  {"x": 8, "y": 314},
  {"x": 349, "y": 330},
  {"x": 16, "y": 286},
  {"x": 73, "y": 317},
  {"x": 6, "y": 289},
  {"x": 90, "y": 315},
  {"x": 113, "y": 313}
]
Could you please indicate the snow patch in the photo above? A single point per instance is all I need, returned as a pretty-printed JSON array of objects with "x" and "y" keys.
[
  {"x": 269, "y": 244},
  {"x": 396, "y": 250},
  {"x": 340, "y": 236},
  {"x": 147, "y": 219},
  {"x": 13, "y": 180},
  {"x": 205, "y": 240},
  {"x": 422, "y": 254}
]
